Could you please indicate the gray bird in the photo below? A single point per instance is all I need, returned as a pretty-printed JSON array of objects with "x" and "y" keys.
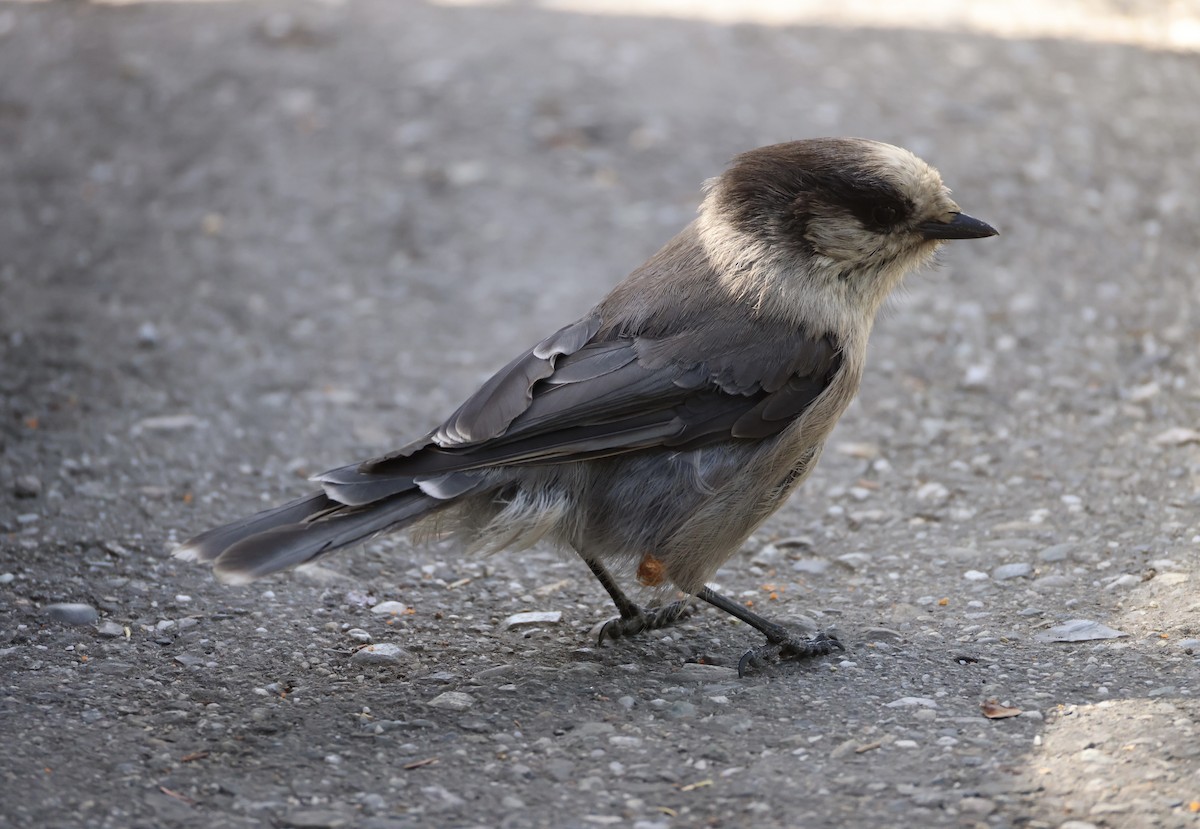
[{"x": 658, "y": 431}]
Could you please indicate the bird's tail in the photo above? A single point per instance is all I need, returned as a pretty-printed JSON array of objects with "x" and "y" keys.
[{"x": 299, "y": 532}]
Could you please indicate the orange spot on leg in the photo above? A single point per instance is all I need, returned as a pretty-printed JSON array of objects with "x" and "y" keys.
[{"x": 651, "y": 572}]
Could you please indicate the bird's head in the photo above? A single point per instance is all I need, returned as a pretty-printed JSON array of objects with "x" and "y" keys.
[{"x": 842, "y": 217}]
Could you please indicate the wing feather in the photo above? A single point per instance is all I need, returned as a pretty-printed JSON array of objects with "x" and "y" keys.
[{"x": 576, "y": 396}]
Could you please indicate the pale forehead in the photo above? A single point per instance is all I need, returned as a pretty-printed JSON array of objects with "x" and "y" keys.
[{"x": 907, "y": 172}]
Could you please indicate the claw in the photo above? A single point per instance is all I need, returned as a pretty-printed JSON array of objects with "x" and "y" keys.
[
  {"x": 652, "y": 618},
  {"x": 617, "y": 628},
  {"x": 756, "y": 656},
  {"x": 787, "y": 647}
]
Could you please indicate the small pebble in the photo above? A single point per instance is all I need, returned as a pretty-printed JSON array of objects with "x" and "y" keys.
[
  {"x": 166, "y": 423},
  {"x": 767, "y": 555},
  {"x": 1078, "y": 630},
  {"x": 1048, "y": 583},
  {"x": 488, "y": 674},
  {"x": 316, "y": 819},
  {"x": 466, "y": 173},
  {"x": 385, "y": 653},
  {"x": 110, "y": 629},
  {"x": 1012, "y": 571},
  {"x": 1059, "y": 552},
  {"x": 977, "y": 805},
  {"x": 453, "y": 701},
  {"x": 1127, "y": 580},
  {"x": 533, "y": 617},
  {"x": 975, "y": 575},
  {"x": 933, "y": 493},
  {"x": 909, "y": 702},
  {"x": 812, "y": 566},
  {"x": 865, "y": 451},
  {"x": 359, "y": 635},
  {"x": 357, "y": 598},
  {"x": 679, "y": 710},
  {"x": 374, "y": 802},
  {"x": 69, "y": 613},
  {"x": 1177, "y": 436},
  {"x": 977, "y": 377},
  {"x": 27, "y": 486},
  {"x": 855, "y": 561},
  {"x": 147, "y": 335},
  {"x": 6, "y": 578},
  {"x": 389, "y": 608},
  {"x": 1142, "y": 393}
]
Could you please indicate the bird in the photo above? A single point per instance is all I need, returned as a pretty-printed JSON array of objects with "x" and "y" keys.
[{"x": 654, "y": 434}]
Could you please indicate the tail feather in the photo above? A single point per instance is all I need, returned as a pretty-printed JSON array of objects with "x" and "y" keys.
[
  {"x": 349, "y": 485},
  {"x": 209, "y": 545},
  {"x": 300, "y": 531},
  {"x": 290, "y": 545}
]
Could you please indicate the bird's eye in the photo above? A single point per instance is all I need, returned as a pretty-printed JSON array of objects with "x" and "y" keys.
[{"x": 883, "y": 215}]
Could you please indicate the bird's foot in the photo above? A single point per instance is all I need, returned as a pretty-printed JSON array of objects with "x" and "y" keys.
[
  {"x": 643, "y": 619},
  {"x": 784, "y": 645}
]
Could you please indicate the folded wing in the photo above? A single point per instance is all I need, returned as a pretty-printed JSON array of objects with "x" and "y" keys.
[{"x": 579, "y": 395}]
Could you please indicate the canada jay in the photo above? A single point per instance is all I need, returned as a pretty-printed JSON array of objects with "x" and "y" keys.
[{"x": 657, "y": 432}]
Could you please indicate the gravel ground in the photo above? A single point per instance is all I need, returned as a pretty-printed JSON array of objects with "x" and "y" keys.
[{"x": 244, "y": 242}]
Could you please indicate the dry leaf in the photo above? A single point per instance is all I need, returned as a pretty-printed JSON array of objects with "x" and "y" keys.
[{"x": 993, "y": 710}]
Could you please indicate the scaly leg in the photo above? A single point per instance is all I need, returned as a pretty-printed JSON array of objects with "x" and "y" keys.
[
  {"x": 634, "y": 619},
  {"x": 781, "y": 643}
]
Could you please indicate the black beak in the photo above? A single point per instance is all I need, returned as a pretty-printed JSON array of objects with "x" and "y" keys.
[{"x": 961, "y": 226}]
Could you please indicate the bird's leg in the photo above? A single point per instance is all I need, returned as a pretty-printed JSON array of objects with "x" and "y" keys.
[
  {"x": 634, "y": 619},
  {"x": 781, "y": 642}
]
